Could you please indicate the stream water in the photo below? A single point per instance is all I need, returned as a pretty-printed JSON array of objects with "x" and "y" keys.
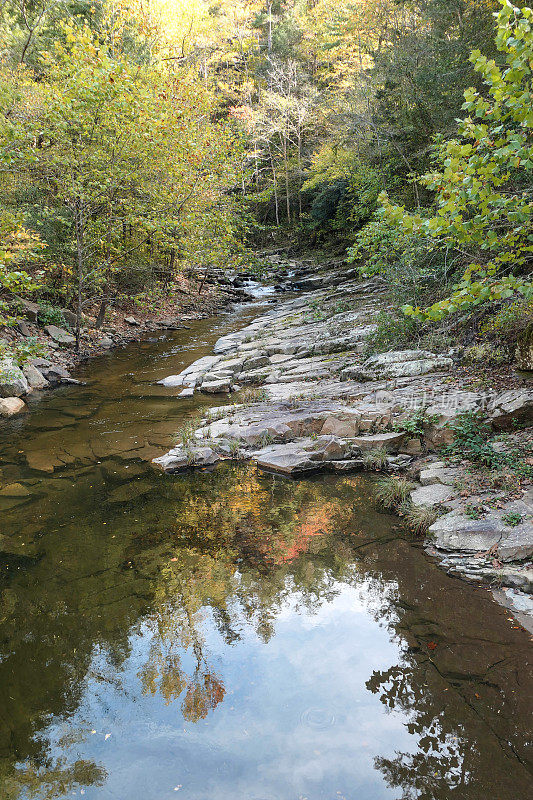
[{"x": 230, "y": 635}]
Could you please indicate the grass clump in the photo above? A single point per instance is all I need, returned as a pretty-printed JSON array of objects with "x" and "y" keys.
[
  {"x": 419, "y": 518},
  {"x": 375, "y": 459},
  {"x": 186, "y": 434},
  {"x": 393, "y": 492}
]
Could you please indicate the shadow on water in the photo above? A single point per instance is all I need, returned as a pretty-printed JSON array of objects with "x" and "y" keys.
[{"x": 231, "y": 634}]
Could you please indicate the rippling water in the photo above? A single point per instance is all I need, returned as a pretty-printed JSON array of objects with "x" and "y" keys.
[{"x": 230, "y": 635}]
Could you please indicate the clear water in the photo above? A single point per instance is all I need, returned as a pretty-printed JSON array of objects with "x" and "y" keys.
[{"x": 230, "y": 634}]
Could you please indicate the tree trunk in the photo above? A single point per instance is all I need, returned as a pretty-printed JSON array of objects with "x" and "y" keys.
[
  {"x": 276, "y": 201},
  {"x": 78, "y": 222},
  {"x": 101, "y": 314},
  {"x": 287, "y": 194}
]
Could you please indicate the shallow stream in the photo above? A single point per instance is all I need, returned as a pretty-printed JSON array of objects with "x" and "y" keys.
[{"x": 230, "y": 635}]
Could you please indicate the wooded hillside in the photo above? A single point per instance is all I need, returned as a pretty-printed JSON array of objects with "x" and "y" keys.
[{"x": 138, "y": 139}]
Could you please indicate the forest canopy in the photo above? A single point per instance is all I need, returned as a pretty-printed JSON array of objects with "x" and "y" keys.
[{"x": 138, "y": 139}]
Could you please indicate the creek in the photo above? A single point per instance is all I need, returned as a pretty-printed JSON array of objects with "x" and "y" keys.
[{"x": 230, "y": 635}]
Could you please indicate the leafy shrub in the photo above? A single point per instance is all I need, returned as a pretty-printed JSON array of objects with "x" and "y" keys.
[
  {"x": 471, "y": 440},
  {"x": 416, "y": 423},
  {"x": 50, "y": 314},
  {"x": 412, "y": 267},
  {"x": 510, "y": 322},
  {"x": 28, "y": 349},
  {"x": 392, "y": 332}
]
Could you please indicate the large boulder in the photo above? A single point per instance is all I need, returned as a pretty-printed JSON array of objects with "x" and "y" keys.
[
  {"x": 9, "y": 406},
  {"x": 12, "y": 380},
  {"x": 34, "y": 377},
  {"x": 29, "y": 309},
  {"x": 307, "y": 455},
  {"x": 511, "y": 407},
  {"x": 456, "y": 531}
]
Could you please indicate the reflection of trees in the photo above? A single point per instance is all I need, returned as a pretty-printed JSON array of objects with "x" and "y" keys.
[
  {"x": 176, "y": 627},
  {"x": 462, "y": 691},
  {"x": 440, "y": 763},
  {"x": 47, "y": 782},
  {"x": 232, "y": 547},
  {"x": 239, "y": 551}
]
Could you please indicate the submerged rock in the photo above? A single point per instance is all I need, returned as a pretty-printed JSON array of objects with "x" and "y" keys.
[{"x": 9, "y": 406}]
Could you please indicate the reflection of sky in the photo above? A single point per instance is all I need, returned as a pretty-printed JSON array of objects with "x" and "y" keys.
[{"x": 297, "y": 721}]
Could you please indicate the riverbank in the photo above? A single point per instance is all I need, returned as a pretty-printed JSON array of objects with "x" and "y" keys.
[
  {"x": 37, "y": 357},
  {"x": 308, "y": 398}
]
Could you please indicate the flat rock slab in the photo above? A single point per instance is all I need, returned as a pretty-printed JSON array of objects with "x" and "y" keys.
[
  {"x": 217, "y": 386},
  {"x": 180, "y": 458},
  {"x": 439, "y": 474},
  {"x": 306, "y": 455},
  {"x": 60, "y": 335},
  {"x": 389, "y": 441},
  {"x": 455, "y": 531},
  {"x": 431, "y": 495},
  {"x": 397, "y": 364}
]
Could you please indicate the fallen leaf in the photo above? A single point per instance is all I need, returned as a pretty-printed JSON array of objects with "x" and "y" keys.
[{"x": 432, "y": 645}]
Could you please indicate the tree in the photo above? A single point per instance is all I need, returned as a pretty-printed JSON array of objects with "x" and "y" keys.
[
  {"x": 484, "y": 200},
  {"x": 127, "y": 162}
]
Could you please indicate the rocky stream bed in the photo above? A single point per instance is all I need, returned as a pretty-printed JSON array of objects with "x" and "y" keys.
[{"x": 309, "y": 400}]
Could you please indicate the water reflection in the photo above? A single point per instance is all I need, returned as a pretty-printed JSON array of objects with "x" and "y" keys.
[{"x": 233, "y": 634}]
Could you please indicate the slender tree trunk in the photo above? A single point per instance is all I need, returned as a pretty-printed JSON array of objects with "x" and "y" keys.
[
  {"x": 79, "y": 225},
  {"x": 287, "y": 193},
  {"x": 273, "y": 166},
  {"x": 299, "y": 173}
]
